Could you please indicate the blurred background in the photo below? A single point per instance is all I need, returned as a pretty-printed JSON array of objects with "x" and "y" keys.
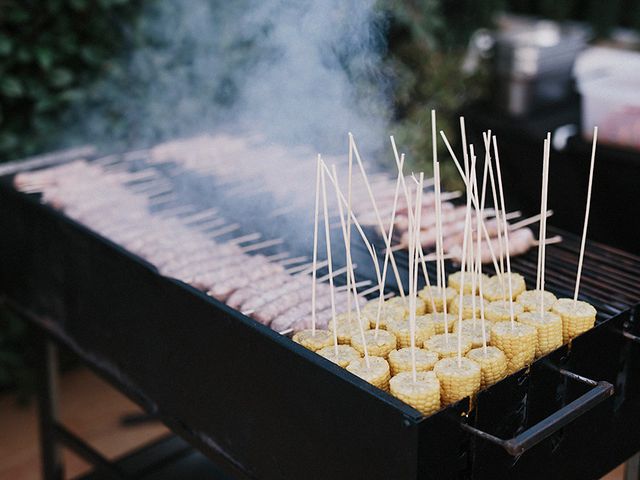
[{"x": 125, "y": 74}]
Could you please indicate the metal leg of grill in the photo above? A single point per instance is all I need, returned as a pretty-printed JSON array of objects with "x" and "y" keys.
[
  {"x": 632, "y": 468},
  {"x": 52, "y": 467}
]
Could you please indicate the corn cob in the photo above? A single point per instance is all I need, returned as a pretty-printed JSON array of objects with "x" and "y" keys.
[
  {"x": 492, "y": 289},
  {"x": 455, "y": 277},
  {"x": 457, "y": 381},
  {"x": 438, "y": 344},
  {"x": 424, "y": 329},
  {"x": 346, "y": 354},
  {"x": 499, "y": 311},
  {"x": 427, "y": 292},
  {"x": 314, "y": 342},
  {"x": 400, "y": 360},
  {"x": 438, "y": 321},
  {"x": 518, "y": 342},
  {"x": 467, "y": 306},
  {"x": 377, "y": 345},
  {"x": 423, "y": 394},
  {"x": 387, "y": 314},
  {"x": 493, "y": 364},
  {"x": 549, "y": 328},
  {"x": 377, "y": 374},
  {"x": 530, "y": 300},
  {"x": 346, "y": 330},
  {"x": 473, "y": 329},
  {"x": 404, "y": 304},
  {"x": 575, "y": 320}
]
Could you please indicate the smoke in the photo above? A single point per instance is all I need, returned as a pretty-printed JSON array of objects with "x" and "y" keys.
[{"x": 300, "y": 72}]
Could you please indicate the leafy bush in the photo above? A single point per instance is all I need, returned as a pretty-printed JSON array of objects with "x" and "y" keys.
[{"x": 49, "y": 51}]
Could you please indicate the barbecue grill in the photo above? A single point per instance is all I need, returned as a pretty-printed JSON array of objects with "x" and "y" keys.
[{"x": 263, "y": 407}]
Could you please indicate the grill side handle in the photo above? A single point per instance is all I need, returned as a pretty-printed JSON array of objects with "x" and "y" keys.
[{"x": 532, "y": 436}]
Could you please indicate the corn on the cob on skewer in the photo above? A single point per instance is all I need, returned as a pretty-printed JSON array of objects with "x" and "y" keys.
[
  {"x": 517, "y": 341},
  {"x": 378, "y": 345},
  {"x": 346, "y": 354},
  {"x": 314, "y": 341},
  {"x": 400, "y": 360},
  {"x": 346, "y": 330},
  {"x": 438, "y": 320},
  {"x": 438, "y": 344},
  {"x": 423, "y": 394},
  {"x": 377, "y": 374},
  {"x": 424, "y": 330},
  {"x": 574, "y": 320},
  {"x": 421, "y": 308},
  {"x": 499, "y": 311},
  {"x": 455, "y": 277},
  {"x": 493, "y": 364},
  {"x": 457, "y": 381},
  {"x": 549, "y": 328},
  {"x": 467, "y": 306},
  {"x": 473, "y": 329},
  {"x": 530, "y": 300},
  {"x": 492, "y": 289},
  {"x": 428, "y": 292}
]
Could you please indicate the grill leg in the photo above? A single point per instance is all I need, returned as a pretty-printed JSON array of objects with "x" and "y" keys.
[
  {"x": 47, "y": 371},
  {"x": 632, "y": 468}
]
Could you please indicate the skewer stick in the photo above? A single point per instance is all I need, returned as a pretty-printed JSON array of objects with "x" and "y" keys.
[
  {"x": 528, "y": 221},
  {"x": 378, "y": 218},
  {"x": 434, "y": 145},
  {"x": 463, "y": 266},
  {"x": 506, "y": 230},
  {"x": 314, "y": 267},
  {"x": 388, "y": 251},
  {"x": 439, "y": 251},
  {"x": 586, "y": 216},
  {"x": 361, "y": 283},
  {"x": 479, "y": 213},
  {"x": 350, "y": 269},
  {"x": 327, "y": 235},
  {"x": 543, "y": 223},
  {"x": 261, "y": 245},
  {"x": 494, "y": 193},
  {"x": 549, "y": 241},
  {"x": 348, "y": 231},
  {"x": 307, "y": 268}
]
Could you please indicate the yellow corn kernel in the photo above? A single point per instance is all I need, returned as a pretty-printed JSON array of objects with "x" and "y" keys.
[
  {"x": 455, "y": 277},
  {"x": 457, "y": 380},
  {"x": 379, "y": 343},
  {"x": 438, "y": 320},
  {"x": 423, "y": 394},
  {"x": 345, "y": 329},
  {"x": 575, "y": 320},
  {"x": 549, "y": 328},
  {"x": 493, "y": 364},
  {"x": 346, "y": 354},
  {"x": 493, "y": 289},
  {"x": 517, "y": 341},
  {"x": 424, "y": 329},
  {"x": 428, "y": 292},
  {"x": 499, "y": 311},
  {"x": 473, "y": 329},
  {"x": 530, "y": 300},
  {"x": 400, "y": 360},
  {"x": 377, "y": 373},
  {"x": 467, "y": 305},
  {"x": 314, "y": 341},
  {"x": 439, "y": 344},
  {"x": 404, "y": 304}
]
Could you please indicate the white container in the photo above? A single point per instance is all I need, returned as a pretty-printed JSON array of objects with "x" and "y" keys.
[{"x": 609, "y": 83}]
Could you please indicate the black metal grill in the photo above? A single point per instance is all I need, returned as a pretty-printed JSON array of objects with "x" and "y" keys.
[{"x": 265, "y": 407}]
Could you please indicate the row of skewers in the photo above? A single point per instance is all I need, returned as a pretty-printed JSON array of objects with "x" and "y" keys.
[{"x": 436, "y": 346}]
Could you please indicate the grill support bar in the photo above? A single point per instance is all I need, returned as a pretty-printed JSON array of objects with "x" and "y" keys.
[{"x": 517, "y": 445}]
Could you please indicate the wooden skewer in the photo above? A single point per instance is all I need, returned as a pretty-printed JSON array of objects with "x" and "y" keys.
[
  {"x": 329, "y": 263},
  {"x": 307, "y": 268},
  {"x": 485, "y": 174},
  {"x": 294, "y": 260},
  {"x": 262, "y": 245},
  {"x": 350, "y": 269},
  {"x": 506, "y": 230},
  {"x": 528, "y": 221},
  {"x": 543, "y": 222},
  {"x": 440, "y": 251},
  {"x": 314, "y": 267},
  {"x": 348, "y": 227},
  {"x": 549, "y": 241},
  {"x": 245, "y": 238},
  {"x": 223, "y": 231},
  {"x": 416, "y": 248},
  {"x": 387, "y": 253},
  {"x": 586, "y": 217},
  {"x": 361, "y": 283}
]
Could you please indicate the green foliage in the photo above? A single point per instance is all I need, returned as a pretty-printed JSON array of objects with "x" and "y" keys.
[{"x": 49, "y": 51}]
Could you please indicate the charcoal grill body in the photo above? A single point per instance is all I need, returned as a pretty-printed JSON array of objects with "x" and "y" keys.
[{"x": 266, "y": 408}]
